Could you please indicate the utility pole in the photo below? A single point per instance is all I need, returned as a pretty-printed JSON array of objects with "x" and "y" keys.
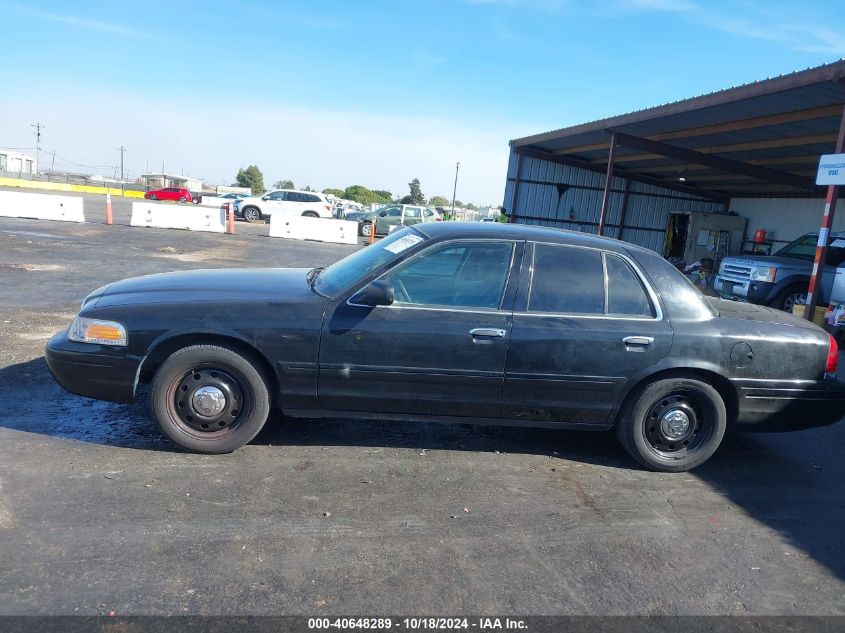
[
  {"x": 53, "y": 162},
  {"x": 38, "y": 125},
  {"x": 121, "y": 149},
  {"x": 455, "y": 190}
]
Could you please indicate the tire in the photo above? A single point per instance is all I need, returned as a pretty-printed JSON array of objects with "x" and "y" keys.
[
  {"x": 226, "y": 375},
  {"x": 183, "y": 199},
  {"x": 310, "y": 214},
  {"x": 651, "y": 431},
  {"x": 153, "y": 197},
  {"x": 789, "y": 296},
  {"x": 251, "y": 214},
  {"x": 366, "y": 229}
]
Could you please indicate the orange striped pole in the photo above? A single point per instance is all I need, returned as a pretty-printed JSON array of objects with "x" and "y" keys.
[
  {"x": 108, "y": 208},
  {"x": 824, "y": 234}
]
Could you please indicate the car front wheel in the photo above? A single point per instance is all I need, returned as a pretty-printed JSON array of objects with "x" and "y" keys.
[
  {"x": 209, "y": 399},
  {"x": 183, "y": 199},
  {"x": 790, "y": 297},
  {"x": 673, "y": 424},
  {"x": 251, "y": 214}
]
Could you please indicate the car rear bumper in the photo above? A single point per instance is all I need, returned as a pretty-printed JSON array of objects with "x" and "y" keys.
[
  {"x": 93, "y": 371},
  {"x": 770, "y": 405}
]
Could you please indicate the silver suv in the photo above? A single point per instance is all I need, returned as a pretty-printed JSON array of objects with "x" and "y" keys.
[{"x": 781, "y": 280}]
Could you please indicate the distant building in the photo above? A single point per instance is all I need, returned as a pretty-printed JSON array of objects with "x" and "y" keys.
[
  {"x": 16, "y": 162},
  {"x": 158, "y": 181}
]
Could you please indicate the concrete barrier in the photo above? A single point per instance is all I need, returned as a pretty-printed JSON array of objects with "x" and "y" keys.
[
  {"x": 297, "y": 227},
  {"x": 41, "y": 206},
  {"x": 171, "y": 216},
  {"x": 213, "y": 201}
]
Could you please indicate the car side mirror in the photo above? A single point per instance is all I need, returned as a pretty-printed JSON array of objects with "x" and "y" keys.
[
  {"x": 376, "y": 293},
  {"x": 382, "y": 214}
]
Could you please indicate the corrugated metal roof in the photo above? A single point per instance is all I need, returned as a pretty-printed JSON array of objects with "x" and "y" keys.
[{"x": 765, "y": 123}]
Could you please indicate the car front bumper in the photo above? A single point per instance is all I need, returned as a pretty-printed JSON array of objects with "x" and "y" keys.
[
  {"x": 743, "y": 289},
  {"x": 94, "y": 371},
  {"x": 781, "y": 405}
]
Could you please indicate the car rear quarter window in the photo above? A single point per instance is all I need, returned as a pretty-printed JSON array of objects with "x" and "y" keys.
[
  {"x": 566, "y": 280},
  {"x": 626, "y": 295}
]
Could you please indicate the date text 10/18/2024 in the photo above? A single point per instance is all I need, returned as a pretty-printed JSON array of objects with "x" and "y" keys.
[{"x": 418, "y": 624}]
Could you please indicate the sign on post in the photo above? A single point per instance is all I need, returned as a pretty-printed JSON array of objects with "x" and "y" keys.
[{"x": 831, "y": 170}]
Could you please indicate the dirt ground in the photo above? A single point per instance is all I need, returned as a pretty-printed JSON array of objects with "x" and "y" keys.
[{"x": 99, "y": 513}]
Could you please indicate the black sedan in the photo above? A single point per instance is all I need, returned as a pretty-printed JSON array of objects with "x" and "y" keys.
[{"x": 484, "y": 322}]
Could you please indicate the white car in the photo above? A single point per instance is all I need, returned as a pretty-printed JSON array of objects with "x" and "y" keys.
[{"x": 292, "y": 201}]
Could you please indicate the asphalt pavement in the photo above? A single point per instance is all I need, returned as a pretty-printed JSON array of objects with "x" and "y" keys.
[{"x": 99, "y": 513}]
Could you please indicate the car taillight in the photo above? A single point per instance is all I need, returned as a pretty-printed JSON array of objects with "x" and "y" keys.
[
  {"x": 438, "y": 219},
  {"x": 832, "y": 356}
]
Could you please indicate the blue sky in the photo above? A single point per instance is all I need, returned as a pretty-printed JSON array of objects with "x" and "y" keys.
[{"x": 336, "y": 93}]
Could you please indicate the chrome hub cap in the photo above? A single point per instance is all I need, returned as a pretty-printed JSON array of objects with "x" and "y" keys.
[
  {"x": 208, "y": 402},
  {"x": 674, "y": 424}
]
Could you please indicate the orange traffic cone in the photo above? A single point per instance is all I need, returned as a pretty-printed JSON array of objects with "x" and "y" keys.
[{"x": 108, "y": 209}]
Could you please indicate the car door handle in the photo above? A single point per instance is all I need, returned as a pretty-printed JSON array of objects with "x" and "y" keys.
[
  {"x": 637, "y": 341},
  {"x": 487, "y": 332}
]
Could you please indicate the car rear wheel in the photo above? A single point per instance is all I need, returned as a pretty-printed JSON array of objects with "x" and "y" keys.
[
  {"x": 153, "y": 197},
  {"x": 673, "y": 424},
  {"x": 209, "y": 399},
  {"x": 251, "y": 214},
  {"x": 790, "y": 297},
  {"x": 310, "y": 214},
  {"x": 366, "y": 229}
]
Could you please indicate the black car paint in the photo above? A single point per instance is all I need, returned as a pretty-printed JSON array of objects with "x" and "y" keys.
[{"x": 329, "y": 357}]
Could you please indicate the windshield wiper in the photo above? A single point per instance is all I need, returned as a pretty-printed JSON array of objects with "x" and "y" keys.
[{"x": 312, "y": 275}]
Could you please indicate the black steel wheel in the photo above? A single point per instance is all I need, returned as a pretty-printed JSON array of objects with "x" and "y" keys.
[
  {"x": 673, "y": 424},
  {"x": 209, "y": 399},
  {"x": 251, "y": 214}
]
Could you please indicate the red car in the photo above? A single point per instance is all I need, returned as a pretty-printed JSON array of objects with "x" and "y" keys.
[{"x": 169, "y": 193}]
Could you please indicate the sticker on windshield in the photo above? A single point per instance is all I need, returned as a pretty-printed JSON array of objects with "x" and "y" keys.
[
  {"x": 838, "y": 243},
  {"x": 403, "y": 243}
]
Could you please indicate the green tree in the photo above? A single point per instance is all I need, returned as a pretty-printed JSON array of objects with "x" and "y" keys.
[
  {"x": 284, "y": 184},
  {"x": 251, "y": 177},
  {"x": 337, "y": 193},
  {"x": 459, "y": 204},
  {"x": 307, "y": 188},
  {"x": 438, "y": 201},
  {"x": 471, "y": 206},
  {"x": 382, "y": 196},
  {"x": 416, "y": 196}
]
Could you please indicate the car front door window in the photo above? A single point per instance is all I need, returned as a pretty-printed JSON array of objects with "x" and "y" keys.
[{"x": 462, "y": 275}]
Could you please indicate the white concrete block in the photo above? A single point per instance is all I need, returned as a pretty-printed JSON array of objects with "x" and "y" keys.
[
  {"x": 41, "y": 206},
  {"x": 298, "y": 227},
  {"x": 171, "y": 216}
]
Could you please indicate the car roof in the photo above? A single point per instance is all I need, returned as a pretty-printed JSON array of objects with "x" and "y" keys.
[{"x": 498, "y": 230}]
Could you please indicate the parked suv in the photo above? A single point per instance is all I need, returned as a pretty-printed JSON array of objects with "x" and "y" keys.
[
  {"x": 169, "y": 193},
  {"x": 781, "y": 280},
  {"x": 390, "y": 216},
  {"x": 307, "y": 203}
]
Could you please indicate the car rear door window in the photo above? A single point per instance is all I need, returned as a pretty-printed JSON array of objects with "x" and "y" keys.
[
  {"x": 626, "y": 295},
  {"x": 566, "y": 280},
  {"x": 311, "y": 198},
  {"x": 465, "y": 275}
]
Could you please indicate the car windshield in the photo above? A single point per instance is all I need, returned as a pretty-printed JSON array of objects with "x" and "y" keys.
[
  {"x": 361, "y": 263},
  {"x": 805, "y": 248}
]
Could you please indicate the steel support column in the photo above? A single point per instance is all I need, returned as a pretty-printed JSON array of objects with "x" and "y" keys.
[
  {"x": 824, "y": 233},
  {"x": 624, "y": 211},
  {"x": 515, "y": 196},
  {"x": 605, "y": 201}
]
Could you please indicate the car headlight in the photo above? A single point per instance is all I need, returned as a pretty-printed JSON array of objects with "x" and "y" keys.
[
  {"x": 764, "y": 273},
  {"x": 85, "y": 330}
]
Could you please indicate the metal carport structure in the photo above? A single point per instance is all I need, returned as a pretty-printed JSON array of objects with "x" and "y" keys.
[{"x": 758, "y": 140}]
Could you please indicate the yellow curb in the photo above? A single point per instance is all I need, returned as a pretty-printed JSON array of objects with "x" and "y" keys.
[{"x": 61, "y": 186}]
